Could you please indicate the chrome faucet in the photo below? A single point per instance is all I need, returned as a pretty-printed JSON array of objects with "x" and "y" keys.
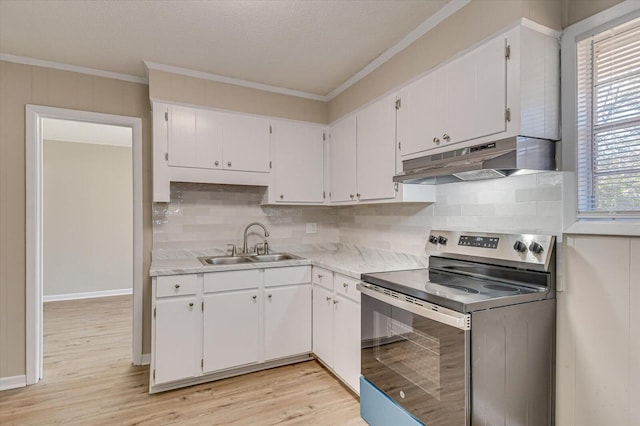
[{"x": 245, "y": 250}]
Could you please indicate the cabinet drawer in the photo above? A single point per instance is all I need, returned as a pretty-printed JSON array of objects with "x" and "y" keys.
[
  {"x": 231, "y": 280},
  {"x": 286, "y": 276},
  {"x": 176, "y": 285},
  {"x": 323, "y": 277},
  {"x": 346, "y": 286}
]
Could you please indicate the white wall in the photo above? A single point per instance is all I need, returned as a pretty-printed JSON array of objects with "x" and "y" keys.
[{"x": 87, "y": 225}]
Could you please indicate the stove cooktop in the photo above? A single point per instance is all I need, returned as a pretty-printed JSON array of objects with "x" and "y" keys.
[{"x": 462, "y": 294}]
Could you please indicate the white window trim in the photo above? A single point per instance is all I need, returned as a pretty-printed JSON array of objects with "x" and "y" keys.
[{"x": 613, "y": 16}]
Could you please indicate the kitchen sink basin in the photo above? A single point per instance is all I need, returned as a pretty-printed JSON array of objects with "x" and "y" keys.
[
  {"x": 226, "y": 260},
  {"x": 255, "y": 258},
  {"x": 276, "y": 257}
]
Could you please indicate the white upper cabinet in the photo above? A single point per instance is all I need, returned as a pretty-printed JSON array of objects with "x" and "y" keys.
[
  {"x": 195, "y": 139},
  {"x": 200, "y": 145},
  {"x": 245, "y": 142},
  {"x": 298, "y": 161},
  {"x": 217, "y": 140},
  {"x": 507, "y": 86},
  {"x": 342, "y": 160},
  {"x": 376, "y": 150},
  {"x": 364, "y": 157}
]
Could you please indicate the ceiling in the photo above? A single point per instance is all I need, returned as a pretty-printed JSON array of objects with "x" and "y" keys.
[
  {"x": 311, "y": 46},
  {"x": 83, "y": 132}
]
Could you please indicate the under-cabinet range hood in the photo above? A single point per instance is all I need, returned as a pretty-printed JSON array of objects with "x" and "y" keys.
[{"x": 515, "y": 155}]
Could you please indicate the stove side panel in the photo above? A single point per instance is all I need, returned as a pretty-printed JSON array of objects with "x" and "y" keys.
[{"x": 513, "y": 365}]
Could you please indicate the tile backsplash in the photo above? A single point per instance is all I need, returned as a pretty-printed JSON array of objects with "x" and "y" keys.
[{"x": 204, "y": 216}]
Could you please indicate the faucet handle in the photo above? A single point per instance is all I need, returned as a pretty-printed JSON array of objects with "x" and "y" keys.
[
  {"x": 233, "y": 249},
  {"x": 265, "y": 247}
]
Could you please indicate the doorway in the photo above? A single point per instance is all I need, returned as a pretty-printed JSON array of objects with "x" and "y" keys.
[
  {"x": 87, "y": 210},
  {"x": 38, "y": 118}
]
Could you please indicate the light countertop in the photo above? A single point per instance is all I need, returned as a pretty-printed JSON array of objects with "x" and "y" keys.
[{"x": 345, "y": 259}]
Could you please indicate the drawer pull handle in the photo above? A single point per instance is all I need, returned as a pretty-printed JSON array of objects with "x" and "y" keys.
[
  {"x": 345, "y": 285},
  {"x": 177, "y": 286}
]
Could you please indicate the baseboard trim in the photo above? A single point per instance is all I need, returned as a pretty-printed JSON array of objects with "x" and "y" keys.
[
  {"x": 87, "y": 295},
  {"x": 13, "y": 382},
  {"x": 146, "y": 359}
]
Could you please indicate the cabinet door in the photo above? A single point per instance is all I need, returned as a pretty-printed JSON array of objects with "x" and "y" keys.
[
  {"x": 418, "y": 121},
  {"x": 346, "y": 335},
  {"x": 195, "y": 138},
  {"x": 298, "y": 162},
  {"x": 245, "y": 144},
  {"x": 323, "y": 324},
  {"x": 475, "y": 99},
  {"x": 376, "y": 150},
  {"x": 176, "y": 339},
  {"x": 343, "y": 160},
  {"x": 287, "y": 321},
  {"x": 231, "y": 329}
]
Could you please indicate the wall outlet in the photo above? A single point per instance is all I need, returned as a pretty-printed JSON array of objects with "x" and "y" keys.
[{"x": 312, "y": 228}]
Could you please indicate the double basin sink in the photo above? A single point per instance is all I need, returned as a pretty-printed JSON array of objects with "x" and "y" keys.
[{"x": 247, "y": 258}]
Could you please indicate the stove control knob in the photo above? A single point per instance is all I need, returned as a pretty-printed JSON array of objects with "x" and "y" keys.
[
  {"x": 520, "y": 247},
  {"x": 442, "y": 240},
  {"x": 536, "y": 248},
  {"x": 433, "y": 239}
]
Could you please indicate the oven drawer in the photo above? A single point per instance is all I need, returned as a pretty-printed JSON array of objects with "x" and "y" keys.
[{"x": 346, "y": 286}]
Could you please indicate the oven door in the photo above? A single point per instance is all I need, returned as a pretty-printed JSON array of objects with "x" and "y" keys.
[{"x": 417, "y": 355}]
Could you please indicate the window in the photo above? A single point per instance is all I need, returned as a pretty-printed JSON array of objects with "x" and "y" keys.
[{"x": 608, "y": 123}]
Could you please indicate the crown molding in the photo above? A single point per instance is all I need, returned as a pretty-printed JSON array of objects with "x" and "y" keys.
[{"x": 73, "y": 68}]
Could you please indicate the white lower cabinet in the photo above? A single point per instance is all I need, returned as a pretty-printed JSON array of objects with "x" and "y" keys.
[
  {"x": 336, "y": 325},
  {"x": 176, "y": 339},
  {"x": 220, "y": 324},
  {"x": 287, "y": 321},
  {"x": 231, "y": 329}
]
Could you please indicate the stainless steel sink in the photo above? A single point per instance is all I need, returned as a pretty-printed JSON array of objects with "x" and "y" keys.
[
  {"x": 276, "y": 257},
  {"x": 235, "y": 260},
  {"x": 226, "y": 260}
]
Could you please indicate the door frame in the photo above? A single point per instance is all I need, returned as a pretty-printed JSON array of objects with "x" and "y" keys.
[{"x": 34, "y": 247}]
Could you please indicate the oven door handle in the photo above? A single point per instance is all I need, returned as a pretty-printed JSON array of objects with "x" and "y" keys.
[{"x": 428, "y": 310}]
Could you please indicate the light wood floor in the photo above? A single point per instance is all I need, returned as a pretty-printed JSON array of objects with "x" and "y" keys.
[{"x": 89, "y": 380}]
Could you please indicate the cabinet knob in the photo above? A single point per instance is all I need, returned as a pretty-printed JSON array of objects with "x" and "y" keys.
[
  {"x": 216, "y": 163},
  {"x": 358, "y": 195},
  {"x": 436, "y": 141},
  {"x": 335, "y": 302},
  {"x": 345, "y": 285},
  {"x": 190, "y": 304},
  {"x": 351, "y": 195},
  {"x": 328, "y": 298},
  {"x": 281, "y": 196},
  {"x": 229, "y": 164},
  {"x": 319, "y": 276},
  {"x": 177, "y": 286},
  {"x": 446, "y": 137},
  {"x": 269, "y": 296},
  {"x": 254, "y": 297}
]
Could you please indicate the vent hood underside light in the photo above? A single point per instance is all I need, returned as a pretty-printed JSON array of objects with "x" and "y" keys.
[{"x": 511, "y": 156}]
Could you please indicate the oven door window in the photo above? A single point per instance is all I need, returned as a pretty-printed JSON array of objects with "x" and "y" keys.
[{"x": 418, "y": 362}]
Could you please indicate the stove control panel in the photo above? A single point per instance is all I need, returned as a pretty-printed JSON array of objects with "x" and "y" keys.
[
  {"x": 474, "y": 241},
  {"x": 528, "y": 251}
]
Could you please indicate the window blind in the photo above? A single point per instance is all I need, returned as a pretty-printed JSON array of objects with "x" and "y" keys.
[{"x": 608, "y": 123}]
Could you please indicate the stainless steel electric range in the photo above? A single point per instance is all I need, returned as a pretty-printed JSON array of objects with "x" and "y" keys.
[{"x": 468, "y": 341}]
